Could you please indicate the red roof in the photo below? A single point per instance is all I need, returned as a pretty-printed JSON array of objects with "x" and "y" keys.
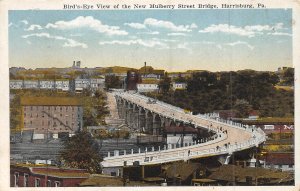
[{"x": 280, "y": 158}]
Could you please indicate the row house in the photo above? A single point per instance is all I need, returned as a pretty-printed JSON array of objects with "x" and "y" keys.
[
  {"x": 147, "y": 87},
  {"x": 16, "y": 84},
  {"x": 179, "y": 86},
  {"x": 30, "y": 84},
  {"x": 45, "y": 115},
  {"x": 97, "y": 83},
  {"x": 47, "y": 84},
  {"x": 81, "y": 84},
  {"x": 29, "y": 175},
  {"x": 63, "y": 85}
]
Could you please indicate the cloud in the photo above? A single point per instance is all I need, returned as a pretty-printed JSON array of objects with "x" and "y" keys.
[
  {"x": 151, "y": 22},
  {"x": 207, "y": 42},
  {"x": 72, "y": 43},
  {"x": 76, "y": 35},
  {"x": 176, "y": 34},
  {"x": 136, "y": 25},
  {"x": 87, "y": 22},
  {"x": 34, "y": 27},
  {"x": 168, "y": 25},
  {"x": 248, "y": 31},
  {"x": 240, "y": 43},
  {"x": 47, "y": 35},
  {"x": 25, "y": 22},
  {"x": 193, "y": 26},
  {"x": 225, "y": 28},
  {"x": 68, "y": 42},
  {"x": 280, "y": 34},
  {"x": 184, "y": 46},
  {"x": 146, "y": 43},
  {"x": 150, "y": 33}
]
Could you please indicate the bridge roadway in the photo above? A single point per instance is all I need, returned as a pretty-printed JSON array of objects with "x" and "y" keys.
[{"x": 230, "y": 137}]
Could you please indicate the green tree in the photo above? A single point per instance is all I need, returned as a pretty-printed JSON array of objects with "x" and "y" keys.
[
  {"x": 112, "y": 81},
  {"x": 82, "y": 151},
  {"x": 288, "y": 76},
  {"x": 165, "y": 84},
  {"x": 243, "y": 107}
]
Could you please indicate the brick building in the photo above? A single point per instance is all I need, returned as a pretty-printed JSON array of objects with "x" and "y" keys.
[
  {"x": 28, "y": 175},
  {"x": 53, "y": 115}
]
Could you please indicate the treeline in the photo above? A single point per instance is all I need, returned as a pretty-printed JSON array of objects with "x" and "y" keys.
[{"x": 243, "y": 91}]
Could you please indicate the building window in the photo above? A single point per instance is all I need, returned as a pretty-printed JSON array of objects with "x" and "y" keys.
[
  {"x": 26, "y": 180},
  {"x": 31, "y": 108},
  {"x": 16, "y": 179},
  {"x": 37, "y": 182},
  {"x": 49, "y": 183},
  {"x": 57, "y": 184},
  {"x": 30, "y": 122}
]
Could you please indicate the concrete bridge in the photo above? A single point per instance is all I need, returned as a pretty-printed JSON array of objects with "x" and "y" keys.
[{"x": 151, "y": 116}]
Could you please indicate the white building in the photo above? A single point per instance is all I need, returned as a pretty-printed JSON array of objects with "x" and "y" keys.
[
  {"x": 179, "y": 86},
  {"x": 16, "y": 84},
  {"x": 31, "y": 84},
  {"x": 147, "y": 87},
  {"x": 81, "y": 84},
  {"x": 97, "y": 83},
  {"x": 63, "y": 85},
  {"x": 47, "y": 84}
]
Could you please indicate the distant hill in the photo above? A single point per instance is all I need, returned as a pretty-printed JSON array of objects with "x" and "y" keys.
[{"x": 115, "y": 69}]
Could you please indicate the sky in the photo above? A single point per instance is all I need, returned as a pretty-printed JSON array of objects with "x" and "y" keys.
[{"x": 173, "y": 40}]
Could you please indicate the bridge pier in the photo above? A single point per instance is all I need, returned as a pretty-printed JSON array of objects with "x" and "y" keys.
[
  {"x": 135, "y": 118},
  {"x": 149, "y": 122},
  {"x": 141, "y": 119},
  {"x": 156, "y": 124}
]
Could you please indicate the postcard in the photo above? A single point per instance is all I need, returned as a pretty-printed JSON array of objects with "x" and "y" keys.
[{"x": 147, "y": 95}]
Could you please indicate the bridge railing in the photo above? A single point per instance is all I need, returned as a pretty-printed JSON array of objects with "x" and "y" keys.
[
  {"x": 183, "y": 153},
  {"x": 190, "y": 151},
  {"x": 200, "y": 116},
  {"x": 202, "y": 142}
]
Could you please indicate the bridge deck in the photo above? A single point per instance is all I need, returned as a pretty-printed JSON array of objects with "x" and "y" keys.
[{"x": 237, "y": 137}]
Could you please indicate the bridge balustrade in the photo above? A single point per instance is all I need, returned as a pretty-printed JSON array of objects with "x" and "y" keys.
[{"x": 193, "y": 149}]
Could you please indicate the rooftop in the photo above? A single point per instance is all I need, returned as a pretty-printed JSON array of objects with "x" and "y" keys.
[
  {"x": 52, "y": 171},
  {"x": 49, "y": 101},
  {"x": 229, "y": 172}
]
